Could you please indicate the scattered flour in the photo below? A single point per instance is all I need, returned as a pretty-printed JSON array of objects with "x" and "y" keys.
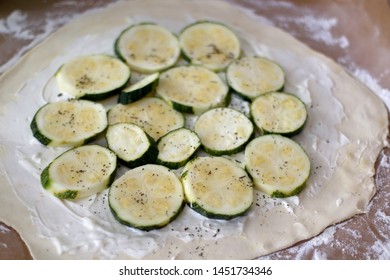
[
  {"x": 4, "y": 230},
  {"x": 365, "y": 77},
  {"x": 18, "y": 25},
  {"x": 320, "y": 29}
]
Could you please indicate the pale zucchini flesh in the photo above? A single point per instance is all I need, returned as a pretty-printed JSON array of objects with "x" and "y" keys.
[
  {"x": 253, "y": 76},
  {"x": 147, "y": 197},
  {"x": 223, "y": 131},
  {"x": 80, "y": 172},
  {"x": 279, "y": 113},
  {"x": 132, "y": 145},
  {"x": 69, "y": 123},
  {"x": 93, "y": 77},
  {"x": 152, "y": 114},
  {"x": 192, "y": 89},
  {"x": 278, "y": 165},
  {"x": 177, "y": 147},
  {"x": 147, "y": 48},
  {"x": 217, "y": 187},
  {"x": 210, "y": 44}
]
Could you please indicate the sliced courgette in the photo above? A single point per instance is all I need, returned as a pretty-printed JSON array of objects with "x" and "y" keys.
[
  {"x": 68, "y": 123},
  {"x": 147, "y": 47},
  {"x": 223, "y": 131},
  {"x": 138, "y": 90},
  {"x": 80, "y": 172},
  {"x": 217, "y": 187},
  {"x": 252, "y": 76},
  {"x": 93, "y": 77},
  {"x": 152, "y": 114},
  {"x": 279, "y": 113},
  {"x": 210, "y": 44},
  {"x": 132, "y": 145},
  {"x": 177, "y": 147},
  {"x": 192, "y": 89},
  {"x": 278, "y": 165},
  {"x": 147, "y": 197}
]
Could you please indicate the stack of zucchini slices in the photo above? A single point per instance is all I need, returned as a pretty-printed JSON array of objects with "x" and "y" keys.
[{"x": 147, "y": 132}]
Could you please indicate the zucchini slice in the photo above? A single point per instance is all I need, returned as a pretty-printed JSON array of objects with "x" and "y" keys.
[
  {"x": 138, "y": 90},
  {"x": 147, "y": 197},
  {"x": 93, "y": 77},
  {"x": 279, "y": 113},
  {"x": 278, "y": 165},
  {"x": 147, "y": 47},
  {"x": 253, "y": 76},
  {"x": 68, "y": 123},
  {"x": 210, "y": 44},
  {"x": 177, "y": 147},
  {"x": 217, "y": 187},
  {"x": 80, "y": 172},
  {"x": 192, "y": 89},
  {"x": 152, "y": 114},
  {"x": 223, "y": 131},
  {"x": 131, "y": 144}
]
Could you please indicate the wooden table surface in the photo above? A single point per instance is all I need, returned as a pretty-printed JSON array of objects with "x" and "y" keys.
[{"x": 355, "y": 33}]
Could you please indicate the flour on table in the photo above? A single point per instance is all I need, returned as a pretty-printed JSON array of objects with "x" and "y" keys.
[
  {"x": 4, "y": 230},
  {"x": 18, "y": 25}
]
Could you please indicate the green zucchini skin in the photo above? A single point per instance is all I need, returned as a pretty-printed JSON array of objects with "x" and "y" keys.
[
  {"x": 146, "y": 198},
  {"x": 150, "y": 156},
  {"x": 216, "y": 118},
  {"x": 192, "y": 110},
  {"x": 149, "y": 69},
  {"x": 67, "y": 123},
  {"x": 197, "y": 208},
  {"x": 196, "y": 60},
  {"x": 68, "y": 194},
  {"x": 47, "y": 141},
  {"x": 192, "y": 89},
  {"x": 142, "y": 88},
  {"x": 157, "y": 109},
  {"x": 37, "y": 134},
  {"x": 205, "y": 193},
  {"x": 129, "y": 97},
  {"x": 280, "y": 115},
  {"x": 172, "y": 163},
  {"x": 258, "y": 75},
  {"x": 239, "y": 149},
  {"x": 66, "y": 82},
  {"x": 279, "y": 194},
  {"x": 101, "y": 96},
  {"x": 250, "y": 99},
  {"x": 147, "y": 228},
  {"x": 278, "y": 165}
]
